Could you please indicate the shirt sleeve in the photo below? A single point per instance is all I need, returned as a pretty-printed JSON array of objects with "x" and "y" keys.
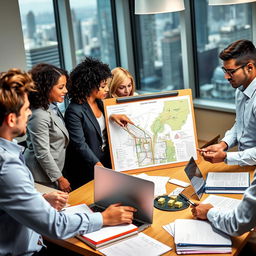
[
  {"x": 246, "y": 157},
  {"x": 240, "y": 220},
  {"x": 19, "y": 199},
  {"x": 230, "y": 137}
]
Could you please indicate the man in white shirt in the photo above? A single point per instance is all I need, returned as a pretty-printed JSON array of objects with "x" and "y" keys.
[{"x": 239, "y": 60}]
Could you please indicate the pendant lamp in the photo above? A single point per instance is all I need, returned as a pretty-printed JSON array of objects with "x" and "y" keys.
[
  {"x": 227, "y": 2},
  {"x": 158, "y": 6}
]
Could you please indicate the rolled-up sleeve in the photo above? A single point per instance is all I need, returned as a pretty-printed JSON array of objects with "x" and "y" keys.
[
  {"x": 240, "y": 220},
  {"x": 21, "y": 201}
]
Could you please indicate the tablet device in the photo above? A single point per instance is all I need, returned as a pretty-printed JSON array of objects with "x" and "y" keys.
[{"x": 196, "y": 178}]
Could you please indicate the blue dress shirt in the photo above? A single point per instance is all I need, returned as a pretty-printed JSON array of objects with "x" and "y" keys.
[
  {"x": 240, "y": 220},
  {"x": 243, "y": 133},
  {"x": 24, "y": 213}
]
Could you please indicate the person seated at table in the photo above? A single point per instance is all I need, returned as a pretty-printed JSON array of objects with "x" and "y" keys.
[
  {"x": 234, "y": 222},
  {"x": 122, "y": 83},
  {"x": 47, "y": 136},
  {"x": 239, "y": 67},
  {"x": 25, "y": 214},
  {"x": 85, "y": 121}
]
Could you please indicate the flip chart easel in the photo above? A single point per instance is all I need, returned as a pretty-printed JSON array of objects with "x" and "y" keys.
[{"x": 119, "y": 102}]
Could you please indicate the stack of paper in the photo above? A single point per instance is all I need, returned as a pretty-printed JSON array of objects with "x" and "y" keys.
[
  {"x": 137, "y": 245},
  {"x": 159, "y": 181},
  {"x": 221, "y": 202},
  {"x": 227, "y": 182},
  {"x": 105, "y": 235},
  {"x": 108, "y": 235},
  {"x": 197, "y": 237}
]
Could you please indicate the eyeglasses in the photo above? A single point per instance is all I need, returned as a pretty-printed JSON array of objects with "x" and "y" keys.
[{"x": 230, "y": 72}]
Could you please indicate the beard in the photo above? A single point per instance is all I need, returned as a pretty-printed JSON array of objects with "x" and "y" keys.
[{"x": 18, "y": 133}]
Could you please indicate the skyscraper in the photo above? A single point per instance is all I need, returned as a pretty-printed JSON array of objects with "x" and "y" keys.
[
  {"x": 77, "y": 31},
  {"x": 172, "y": 66},
  {"x": 31, "y": 25},
  {"x": 202, "y": 26},
  {"x": 107, "y": 43}
]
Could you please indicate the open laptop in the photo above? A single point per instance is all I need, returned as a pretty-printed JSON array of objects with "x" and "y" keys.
[
  {"x": 112, "y": 187},
  {"x": 196, "y": 178}
]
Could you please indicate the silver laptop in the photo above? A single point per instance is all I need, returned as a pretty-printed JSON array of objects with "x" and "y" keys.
[
  {"x": 112, "y": 187},
  {"x": 196, "y": 178}
]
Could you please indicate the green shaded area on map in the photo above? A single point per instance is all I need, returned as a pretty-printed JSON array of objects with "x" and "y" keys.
[{"x": 174, "y": 114}]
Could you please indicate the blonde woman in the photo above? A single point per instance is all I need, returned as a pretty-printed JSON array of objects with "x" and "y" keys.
[{"x": 122, "y": 83}]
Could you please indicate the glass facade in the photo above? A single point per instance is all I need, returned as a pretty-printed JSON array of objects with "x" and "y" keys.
[
  {"x": 158, "y": 57},
  {"x": 156, "y": 41},
  {"x": 39, "y": 32},
  {"x": 217, "y": 27},
  {"x": 93, "y": 30}
]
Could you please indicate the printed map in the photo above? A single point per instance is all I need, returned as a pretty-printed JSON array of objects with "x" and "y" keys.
[{"x": 162, "y": 133}]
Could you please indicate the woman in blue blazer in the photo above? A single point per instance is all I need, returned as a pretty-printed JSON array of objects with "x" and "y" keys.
[
  {"x": 85, "y": 121},
  {"x": 47, "y": 136}
]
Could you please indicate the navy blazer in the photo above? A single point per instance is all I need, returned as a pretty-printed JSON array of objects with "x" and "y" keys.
[{"x": 85, "y": 148}]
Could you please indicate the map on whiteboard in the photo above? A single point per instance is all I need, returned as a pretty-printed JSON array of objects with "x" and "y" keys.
[{"x": 163, "y": 133}]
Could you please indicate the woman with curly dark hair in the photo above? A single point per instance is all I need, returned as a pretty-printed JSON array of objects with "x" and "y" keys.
[
  {"x": 47, "y": 136},
  {"x": 85, "y": 121}
]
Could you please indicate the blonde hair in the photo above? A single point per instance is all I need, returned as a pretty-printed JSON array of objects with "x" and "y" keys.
[{"x": 119, "y": 75}]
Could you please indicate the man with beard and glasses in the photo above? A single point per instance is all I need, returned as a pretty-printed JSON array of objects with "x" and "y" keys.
[
  {"x": 24, "y": 212},
  {"x": 239, "y": 60}
]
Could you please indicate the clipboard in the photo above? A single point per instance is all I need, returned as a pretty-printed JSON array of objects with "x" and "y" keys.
[{"x": 117, "y": 105}]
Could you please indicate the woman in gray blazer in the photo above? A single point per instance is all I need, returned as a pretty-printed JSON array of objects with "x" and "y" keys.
[{"x": 47, "y": 136}]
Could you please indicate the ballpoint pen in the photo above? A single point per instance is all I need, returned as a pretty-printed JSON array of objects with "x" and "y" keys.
[{"x": 187, "y": 200}]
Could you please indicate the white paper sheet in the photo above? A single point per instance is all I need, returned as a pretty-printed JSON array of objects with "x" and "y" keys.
[
  {"x": 227, "y": 179},
  {"x": 187, "y": 232},
  {"x": 159, "y": 181},
  {"x": 137, "y": 245},
  {"x": 221, "y": 202}
]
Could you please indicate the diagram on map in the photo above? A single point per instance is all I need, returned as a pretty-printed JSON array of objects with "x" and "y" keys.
[{"x": 163, "y": 133}]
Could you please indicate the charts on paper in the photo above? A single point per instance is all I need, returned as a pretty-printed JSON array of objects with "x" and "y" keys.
[{"x": 163, "y": 133}]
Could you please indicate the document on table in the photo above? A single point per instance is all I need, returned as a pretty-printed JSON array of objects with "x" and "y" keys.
[
  {"x": 140, "y": 244},
  {"x": 80, "y": 208},
  {"x": 159, "y": 181},
  {"x": 186, "y": 233},
  {"x": 228, "y": 179},
  {"x": 221, "y": 202},
  {"x": 170, "y": 228}
]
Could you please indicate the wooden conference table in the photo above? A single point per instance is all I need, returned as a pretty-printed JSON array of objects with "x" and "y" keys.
[{"x": 84, "y": 194}]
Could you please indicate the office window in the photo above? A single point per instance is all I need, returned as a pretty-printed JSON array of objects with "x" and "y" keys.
[
  {"x": 39, "y": 32},
  {"x": 217, "y": 27},
  {"x": 93, "y": 30},
  {"x": 158, "y": 52}
]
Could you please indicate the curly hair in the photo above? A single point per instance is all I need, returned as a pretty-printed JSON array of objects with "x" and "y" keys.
[
  {"x": 14, "y": 84},
  {"x": 242, "y": 51},
  {"x": 87, "y": 77},
  {"x": 45, "y": 76}
]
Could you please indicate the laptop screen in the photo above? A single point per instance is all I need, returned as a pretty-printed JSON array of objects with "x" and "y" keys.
[
  {"x": 114, "y": 187},
  {"x": 195, "y": 176}
]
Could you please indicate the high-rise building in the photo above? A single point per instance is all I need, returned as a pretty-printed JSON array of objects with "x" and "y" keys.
[
  {"x": 31, "y": 25},
  {"x": 107, "y": 43},
  {"x": 232, "y": 33},
  {"x": 43, "y": 54},
  {"x": 202, "y": 32},
  {"x": 147, "y": 38},
  {"x": 172, "y": 65},
  {"x": 77, "y": 30}
]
